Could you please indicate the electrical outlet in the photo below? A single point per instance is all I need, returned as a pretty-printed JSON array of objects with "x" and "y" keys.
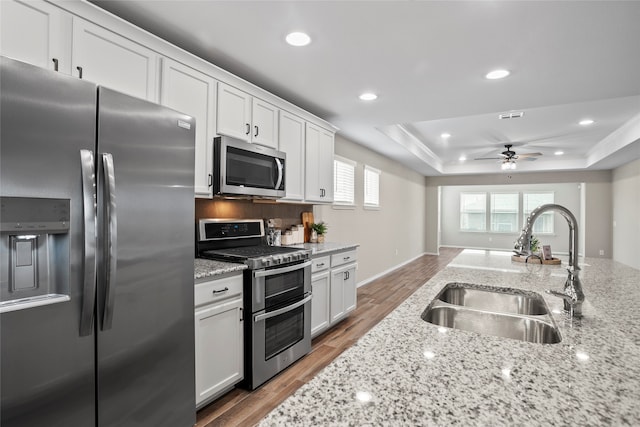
[{"x": 601, "y": 252}]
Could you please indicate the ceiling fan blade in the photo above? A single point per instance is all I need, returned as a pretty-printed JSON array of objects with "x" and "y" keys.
[
  {"x": 526, "y": 155},
  {"x": 488, "y": 158}
]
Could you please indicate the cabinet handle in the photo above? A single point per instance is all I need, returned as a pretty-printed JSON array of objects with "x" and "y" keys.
[
  {"x": 55, "y": 64},
  {"x": 322, "y": 192},
  {"x": 256, "y": 131},
  {"x": 320, "y": 265},
  {"x": 79, "y": 72},
  {"x": 248, "y": 129},
  {"x": 347, "y": 258},
  {"x": 346, "y": 275},
  {"x": 220, "y": 291},
  {"x": 241, "y": 314},
  {"x": 210, "y": 182}
]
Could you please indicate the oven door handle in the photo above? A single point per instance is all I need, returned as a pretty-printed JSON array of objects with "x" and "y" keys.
[
  {"x": 260, "y": 317},
  {"x": 265, "y": 273}
]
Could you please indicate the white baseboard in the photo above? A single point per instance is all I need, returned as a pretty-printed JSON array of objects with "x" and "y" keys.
[{"x": 389, "y": 270}]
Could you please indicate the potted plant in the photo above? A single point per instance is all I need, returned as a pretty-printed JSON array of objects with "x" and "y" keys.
[
  {"x": 534, "y": 245},
  {"x": 318, "y": 230}
]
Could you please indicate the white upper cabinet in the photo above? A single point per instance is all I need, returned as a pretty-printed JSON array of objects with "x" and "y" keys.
[
  {"x": 291, "y": 141},
  {"x": 319, "y": 164},
  {"x": 193, "y": 92},
  {"x": 37, "y": 33},
  {"x": 264, "y": 130},
  {"x": 106, "y": 58},
  {"x": 234, "y": 112},
  {"x": 244, "y": 117}
]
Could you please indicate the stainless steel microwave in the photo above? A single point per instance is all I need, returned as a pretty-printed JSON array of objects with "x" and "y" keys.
[{"x": 244, "y": 169}]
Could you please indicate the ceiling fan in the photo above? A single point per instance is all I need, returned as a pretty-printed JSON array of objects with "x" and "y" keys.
[{"x": 509, "y": 157}]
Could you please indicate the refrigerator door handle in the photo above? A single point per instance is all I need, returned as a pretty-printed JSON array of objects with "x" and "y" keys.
[
  {"x": 111, "y": 238},
  {"x": 89, "y": 266}
]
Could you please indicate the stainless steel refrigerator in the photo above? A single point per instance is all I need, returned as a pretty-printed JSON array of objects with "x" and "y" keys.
[{"x": 96, "y": 261}]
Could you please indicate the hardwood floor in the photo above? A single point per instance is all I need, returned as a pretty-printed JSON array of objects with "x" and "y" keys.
[{"x": 375, "y": 300}]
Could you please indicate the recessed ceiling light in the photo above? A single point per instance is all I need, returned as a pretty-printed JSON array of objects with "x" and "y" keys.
[
  {"x": 298, "y": 39},
  {"x": 364, "y": 396},
  {"x": 445, "y": 135},
  {"x": 559, "y": 153},
  {"x": 497, "y": 74},
  {"x": 462, "y": 158},
  {"x": 368, "y": 96},
  {"x": 586, "y": 122}
]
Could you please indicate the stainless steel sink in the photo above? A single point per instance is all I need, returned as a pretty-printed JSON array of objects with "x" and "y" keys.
[
  {"x": 494, "y": 299},
  {"x": 502, "y": 312}
]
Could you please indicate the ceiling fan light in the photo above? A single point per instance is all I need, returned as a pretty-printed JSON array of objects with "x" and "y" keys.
[
  {"x": 586, "y": 122},
  {"x": 512, "y": 165},
  {"x": 504, "y": 166}
]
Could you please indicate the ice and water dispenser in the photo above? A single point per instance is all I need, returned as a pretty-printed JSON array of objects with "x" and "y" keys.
[{"x": 34, "y": 252}]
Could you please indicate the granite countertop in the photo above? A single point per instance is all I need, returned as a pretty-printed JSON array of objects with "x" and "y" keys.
[
  {"x": 208, "y": 268},
  {"x": 326, "y": 248},
  {"x": 409, "y": 372}
]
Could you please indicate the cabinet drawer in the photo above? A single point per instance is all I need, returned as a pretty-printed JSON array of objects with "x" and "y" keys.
[
  {"x": 319, "y": 264},
  {"x": 217, "y": 290},
  {"x": 344, "y": 258}
]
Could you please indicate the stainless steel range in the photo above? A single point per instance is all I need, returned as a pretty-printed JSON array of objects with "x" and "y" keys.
[{"x": 277, "y": 293}]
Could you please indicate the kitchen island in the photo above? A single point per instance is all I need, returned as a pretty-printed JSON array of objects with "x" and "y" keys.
[{"x": 406, "y": 371}]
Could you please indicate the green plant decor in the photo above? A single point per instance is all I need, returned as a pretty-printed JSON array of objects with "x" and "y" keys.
[
  {"x": 534, "y": 245},
  {"x": 320, "y": 228}
]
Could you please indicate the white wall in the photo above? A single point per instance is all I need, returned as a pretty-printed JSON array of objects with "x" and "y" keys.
[
  {"x": 399, "y": 224},
  {"x": 626, "y": 214},
  {"x": 567, "y": 195}
]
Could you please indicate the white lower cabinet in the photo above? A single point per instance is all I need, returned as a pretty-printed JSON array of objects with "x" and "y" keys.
[
  {"x": 218, "y": 337},
  {"x": 343, "y": 292},
  {"x": 320, "y": 289},
  {"x": 333, "y": 283}
]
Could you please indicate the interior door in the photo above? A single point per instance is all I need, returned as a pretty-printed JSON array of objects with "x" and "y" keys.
[{"x": 146, "y": 240}]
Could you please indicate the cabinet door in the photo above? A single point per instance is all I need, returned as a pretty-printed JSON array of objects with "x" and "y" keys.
[
  {"x": 349, "y": 290},
  {"x": 192, "y": 92},
  {"x": 233, "y": 112},
  {"x": 36, "y": 32},
  {"x": 343, "y": 292},
  {"x": 319, "y": 165},
  {"x": 325, "y": 162},
  {"x": 264, "y": 117},
  {"x": 291, "y": 141},
  {"x": 320, "y": 303},
  {"x": 219, "y": 347},
  {"x": 111, "y": 60}
]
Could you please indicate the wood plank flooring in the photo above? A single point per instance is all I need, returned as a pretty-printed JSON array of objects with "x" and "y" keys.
[{"x": 375, "y": 300}]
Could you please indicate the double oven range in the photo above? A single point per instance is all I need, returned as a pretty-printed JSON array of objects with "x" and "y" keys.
[{"x": 277, "y": 294}]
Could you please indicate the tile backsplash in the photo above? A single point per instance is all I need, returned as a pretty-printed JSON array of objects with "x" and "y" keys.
[{"x": 291, "y": 214}]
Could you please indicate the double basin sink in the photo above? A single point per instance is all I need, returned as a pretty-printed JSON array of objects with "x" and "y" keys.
[{"x": 509, "y": 313}]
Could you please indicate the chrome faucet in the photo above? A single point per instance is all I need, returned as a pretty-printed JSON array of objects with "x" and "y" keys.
[{"x": 572, "y": 295}]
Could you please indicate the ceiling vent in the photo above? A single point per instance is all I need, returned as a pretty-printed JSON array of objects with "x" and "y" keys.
[{"x": 512, "y": 115}]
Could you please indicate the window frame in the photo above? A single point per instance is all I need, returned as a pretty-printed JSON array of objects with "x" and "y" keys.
[
  {"x": 367, "y": 172},
  {"x": 462, "y": 212},
  {"x": 344, "y": 204},
  {"x": 549, "y": 214},
  {"x": 490, "y": 217}
]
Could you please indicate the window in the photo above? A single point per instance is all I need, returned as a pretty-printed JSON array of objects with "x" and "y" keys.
[
  {"x": 371, "y": 187},
  {"x": 473, "y": 211},
  {"x": 344, "y": 171},
  {"x": 504, "y": 212},
  {"x": 530, "y": 201}
]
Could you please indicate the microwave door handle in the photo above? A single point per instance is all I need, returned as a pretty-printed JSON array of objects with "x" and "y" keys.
[
  {"x": 112, "y": 239},
  {"x": 260, "y": 317},
  {"x": 89, "y": 265},
  {"x": 280, "y": 173}
]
